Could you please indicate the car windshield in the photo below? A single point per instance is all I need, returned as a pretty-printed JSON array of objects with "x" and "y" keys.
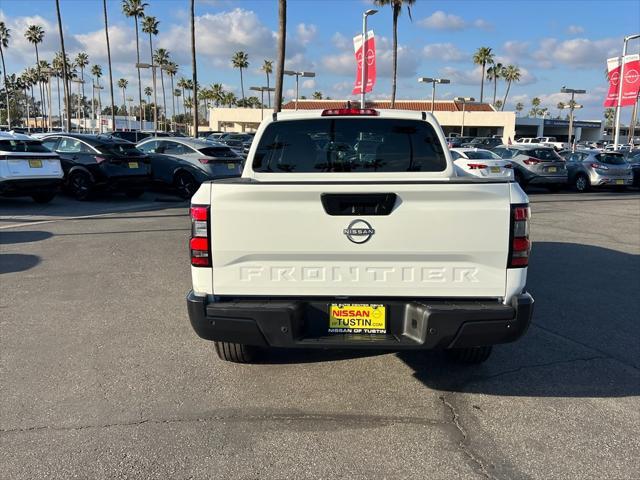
[
  {"x": 21, "y": 146},
  {"x": 122, "y": 149},
  {"x": 611, "y": 158},
  {"x": 223, "y": 152},
  {"x": 482, "y": 155},
  {"x": 349, "y": 145}
]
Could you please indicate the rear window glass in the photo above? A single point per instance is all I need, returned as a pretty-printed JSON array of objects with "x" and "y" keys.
[
  {"x": 611, "y": 158},
  {"x": 123, "y": 149},
  {"x": 545, "y": 154},
  {"x": 482, "y": 155},
  {"x": 349, "y": 145},
  {"x": 22, "y": 146},
  {"x": 223, "y": 152}
]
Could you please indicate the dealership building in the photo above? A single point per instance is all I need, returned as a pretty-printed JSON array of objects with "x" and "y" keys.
[{"x": 479, "y": 119}]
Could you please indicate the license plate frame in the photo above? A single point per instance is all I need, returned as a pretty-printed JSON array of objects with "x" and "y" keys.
[
  {"x": 619, "y": 181},
  {"x": 133, "y": 164},
  {"x": 494, "y": 169},
  {"x": 552, "y": 169},
  {"x": 357, "y": 318},
  {"x": 35, "y": 163}
]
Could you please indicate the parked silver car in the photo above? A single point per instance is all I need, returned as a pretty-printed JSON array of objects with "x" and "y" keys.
[
  {"x": 208, "y": 160},
  {"x": 535, "y": 165},
  {"x": 593, "y": 168}
]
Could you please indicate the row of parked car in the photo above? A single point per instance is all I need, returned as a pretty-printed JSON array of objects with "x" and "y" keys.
[{"x": 84, "y": 163}]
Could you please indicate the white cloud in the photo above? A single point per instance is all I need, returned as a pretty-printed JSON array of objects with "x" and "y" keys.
[
  {"x": 340, "y": 41},
  {"x": 575, "y": 29},
  {"x": 311, "y": 83},
  {"x": 440, "y": 20},
  {"x": 515, "y": 51},
  {"x": 306, "y": 33},
  {"x": 447, "y": 52},
  {"x": 473, "y": 76},
  {"x": 122, "y": 48},
  {"x": 576, "y": 53}
]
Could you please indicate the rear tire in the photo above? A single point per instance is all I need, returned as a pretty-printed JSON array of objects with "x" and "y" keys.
[
  {"x": 186, "y": 184},
  {"x": 236, "y": 352},
  {"x": 80, "y": 185},
  {"x": 43, "y": 197},
  {"x": 581, "y": 183},
  {"x": 470, "y": 355}
]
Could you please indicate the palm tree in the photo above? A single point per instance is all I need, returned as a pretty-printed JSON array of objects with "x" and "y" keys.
[
  {"x": 535, "y": 103},
  {"x": 82, "y": 60},
  {"x": 483, "y": 56},
  {"x": 188, "y": 85},
  {"x": 106, "y": 32},
  {"x": 519, "y": 107},
  {"x": 23, "y": 84},
  {"x": 609, "y": 115},
  {"x": 135, "y": 9},
  {"x": 150, "y": 26},
  {"x": 217, "y": 92},
  {"x": 172, "y": 70},
  {"x": 317, "y": 95},
  {"x": 5, "y": 35},
  {"x": 230, "y": 99},
  {"x": 35, "y": 34},
  {"x": 56, "y": 64},
  {"x": 396, "y": 9},
  {"x": 44, "y": 81},
  {"x": 240, "y": 60},
  {"x": 182, "y": 85},
  {"x": 267, "y": 68},
  {"x": 511, "y": 73},
  {"x": 177, "y": 93},
  {"x": 560, "y": 107},
  {"x": 96, "y": 71},
  {"x": 123, "y": 83},
  {"x": 161, "y": 58},
  {"x": 282, "y": 46},
  {"x": 494, "y": 72},
  {"x": 148, "y": 91}
]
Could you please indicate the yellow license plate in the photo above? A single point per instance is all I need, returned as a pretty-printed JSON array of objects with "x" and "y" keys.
[
  {"x": 495, "y": 169},
  {"x": 552, "y": 169},
  {"x": 357, "y": 318},
  {"x": 231, "y": 166},
  {"x": 619, "y": 182},
  {"x": 35, "y": 163},
  {"x": 133, "y": 164}
]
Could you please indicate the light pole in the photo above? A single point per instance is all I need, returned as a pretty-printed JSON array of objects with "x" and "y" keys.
[
  {"x": 616, "y": 137},
  {"x": 298, "y": 75},
  {"x": 433, "y": 82},
  {"x": 364, "y": 56},
  {"x": 572, "y": 106},
  {"x": 464, "y": 101},
  {"x": 129, "y": 100},
  {"x": 155, "y": 93},
  {"x": 262, "y": 90}
]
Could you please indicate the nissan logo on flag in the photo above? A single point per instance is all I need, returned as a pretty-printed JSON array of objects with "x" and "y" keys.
[
  {"x": 370, "y": 64},
  {"x": 630, "y": 85}
]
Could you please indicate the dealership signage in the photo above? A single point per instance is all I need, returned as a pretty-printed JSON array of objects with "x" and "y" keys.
[
  {"x": 630, "y": 82},
  {"x": 369, "y": 65}
]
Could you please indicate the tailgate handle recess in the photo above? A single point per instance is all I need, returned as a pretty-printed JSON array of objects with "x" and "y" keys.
[{"x": 348, "y": 204}]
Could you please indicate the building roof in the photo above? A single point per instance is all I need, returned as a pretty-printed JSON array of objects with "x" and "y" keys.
[{"x": 419, "y": 105}]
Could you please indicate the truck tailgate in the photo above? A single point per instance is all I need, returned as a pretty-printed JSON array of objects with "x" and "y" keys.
[{"x": 439, "y": 240}]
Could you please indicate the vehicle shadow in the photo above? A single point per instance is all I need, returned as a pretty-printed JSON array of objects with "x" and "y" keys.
[
  {"x": 17, "y": 262},
  {"x": 7, "y": 237},
  {"x": 584, "y": 337}
]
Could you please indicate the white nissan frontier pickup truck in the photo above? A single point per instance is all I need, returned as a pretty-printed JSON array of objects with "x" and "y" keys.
[{"x": 349, "y": 229}]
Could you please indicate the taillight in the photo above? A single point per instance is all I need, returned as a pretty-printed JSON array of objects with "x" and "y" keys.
[
  {"x": 599, "y": 166},
  {"x": 332, "y": 112},
  {"x": 204, "y": 161},
  {"x": 100, "y": 159},
  {"x": 476, "y": 166},
  {"x": 532, "y": 161},
  {"x": 199, "y": 242},
  {"x": 520, "y": 247}
]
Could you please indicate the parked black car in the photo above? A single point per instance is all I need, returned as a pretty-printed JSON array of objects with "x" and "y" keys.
[
  {"x": 100, "y": 162},
  {"x": 633, "y": 158},
  {"x": 456, "y": 142},
  {"x": 483, "y": 142}
]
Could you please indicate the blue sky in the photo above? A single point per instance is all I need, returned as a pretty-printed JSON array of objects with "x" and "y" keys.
[{"x": 555, "y": 43}]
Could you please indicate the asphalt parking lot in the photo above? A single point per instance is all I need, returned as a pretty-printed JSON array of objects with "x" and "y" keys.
[{"x": 103, "y": 377}]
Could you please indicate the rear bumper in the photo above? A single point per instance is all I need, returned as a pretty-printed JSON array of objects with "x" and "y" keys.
[
  {"x": 548, "y": 180},
  {"x": 607, "y": 180},
  {"x": 26, "y": 186},
  {"x": 411, "y": 324}
]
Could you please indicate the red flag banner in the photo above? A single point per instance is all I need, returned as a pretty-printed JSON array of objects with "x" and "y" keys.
[
  {"x": 630, "y": 84},
  {"x": 370, "y": 64}
]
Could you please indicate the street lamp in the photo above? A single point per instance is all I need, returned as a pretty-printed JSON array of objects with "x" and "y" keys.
[
  {"x": 363, "y": 55},
  {"x": 298, "y": 75},
  {"x": 464, "y": 101},
  {"x": 262, "y": 90},
  {"x": 433, "y": 82},
  {"x": 616, "y": 137},
  {"x": 571, "y": 106},
  {"x": 155, "y": 94}
]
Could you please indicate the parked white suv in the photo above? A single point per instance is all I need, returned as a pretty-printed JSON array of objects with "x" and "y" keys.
[
  {"x": 27, "y": 168},
  {"x": 349, "y": 229}
]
